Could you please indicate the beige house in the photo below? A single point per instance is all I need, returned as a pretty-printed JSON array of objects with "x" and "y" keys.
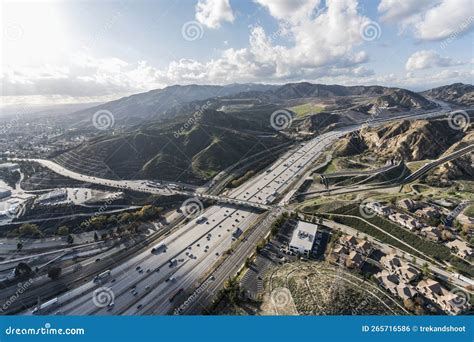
[
  {"x": 408, "y": 204},
  {"x": 461, "y": 248},
  {"x": 403, "y": 269},
  {"x": 354, "y": 259},
  {"x": 431, "y": 233},
  {"x": 406, "y": 221},
  {"x": 449, "y": 302},
  {"x": 405, "y": 291}
]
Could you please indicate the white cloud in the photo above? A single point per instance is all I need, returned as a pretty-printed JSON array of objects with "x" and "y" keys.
[
  {"x": 212, "y": 13},
  {"x": 290, "y": 10},
  {"x": 426, "y": 59},
  {"x": 396, "y": 10},
  {"x": 320, "y": 37},
  {"x": 322, "y": 44},
  {"x": 84, "y": 76},
  {"x": 429, "y": 20},
  {"x": 445, "y": 19}
]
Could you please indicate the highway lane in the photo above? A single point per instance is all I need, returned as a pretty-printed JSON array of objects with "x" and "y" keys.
[
  {"x": 202, "y": 298},
  {"x": 193, "y": 261},
  {"x": 261, "y": 189},
  {"x": 191, "y": 239},
  {"x": 273, "y": 182},
  {"x": 189, "y": 270},
  {"x": 281, "y": 176}
]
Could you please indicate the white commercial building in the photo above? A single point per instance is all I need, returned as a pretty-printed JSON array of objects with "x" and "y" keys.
[{"x": 303, "y": 238}]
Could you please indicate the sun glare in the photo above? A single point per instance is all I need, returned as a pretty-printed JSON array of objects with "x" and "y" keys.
[{"x": 33, "y": 33}]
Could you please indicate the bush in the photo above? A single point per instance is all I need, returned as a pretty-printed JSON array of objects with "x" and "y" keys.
[
  {"x": 63, "y": 231},
  {"x": 22, "y": 270},
  {"x": 54, "y": 272}
]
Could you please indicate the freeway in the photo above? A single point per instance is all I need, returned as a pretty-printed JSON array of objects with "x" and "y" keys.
[
  {"x": 273, "y": 182},
  {"x": 421, "y": 171},
  {"x": 400, "y": 180},
  {"x": 193, "y": 249},
  {"x": 153, "y": 282},
  {"x": 187, "y": 254}
]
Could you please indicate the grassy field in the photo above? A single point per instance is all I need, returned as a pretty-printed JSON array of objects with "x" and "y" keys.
[
  {"x": 469, "y": 212},
  {"x": 306, "y": 109},
  {"x": 413, "y": 166}
]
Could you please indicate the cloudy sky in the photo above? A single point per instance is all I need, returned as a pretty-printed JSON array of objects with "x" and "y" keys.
[{"x": 85, "y": 51}]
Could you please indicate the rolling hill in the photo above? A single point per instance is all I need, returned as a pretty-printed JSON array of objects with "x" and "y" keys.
[
  {"x": 191, "y": 151},
  {"x": 457, "y": 93}
]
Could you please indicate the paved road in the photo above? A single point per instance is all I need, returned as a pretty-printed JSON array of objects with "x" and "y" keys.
[
  {"x": 222, "y": 220},
  {"x": 160, "y": 280}
]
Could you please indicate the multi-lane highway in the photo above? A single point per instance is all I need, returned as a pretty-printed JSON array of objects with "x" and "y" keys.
[
  {"x": 149, "y": 281},
  {"x": 157, "y": 282}
]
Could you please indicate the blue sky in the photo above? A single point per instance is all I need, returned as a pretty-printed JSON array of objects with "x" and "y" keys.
[{"x": 83, "y": 51}]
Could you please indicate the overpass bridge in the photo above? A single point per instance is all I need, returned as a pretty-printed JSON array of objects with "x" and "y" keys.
[{"x": 229, "y": 200}]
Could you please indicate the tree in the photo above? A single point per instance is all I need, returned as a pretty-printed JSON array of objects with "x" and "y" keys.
[
  {"x": 261, "y": 245},
  {"x": 22, "y": 270},
  {"x": 54, "y": 273},
  {"x": 409, "y": 305},
  {"x": 63, "y": 230},
  {"x": 29, "y": 229},
  {"x": 125, "y": 218},
  {"x": 98, "y": 222},
  {"x": 148, "y": 212},
  {"x": 426, "y": 269}
]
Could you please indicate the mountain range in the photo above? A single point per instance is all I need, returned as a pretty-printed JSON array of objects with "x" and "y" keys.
[
  {"x": 190, "y": 133},
  {"x": 178, "y": 100}
]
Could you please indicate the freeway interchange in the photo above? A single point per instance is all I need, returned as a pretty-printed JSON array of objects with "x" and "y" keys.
[
  {"x": 204, "y": 251},
  {"x": 148, "y": 282}
]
